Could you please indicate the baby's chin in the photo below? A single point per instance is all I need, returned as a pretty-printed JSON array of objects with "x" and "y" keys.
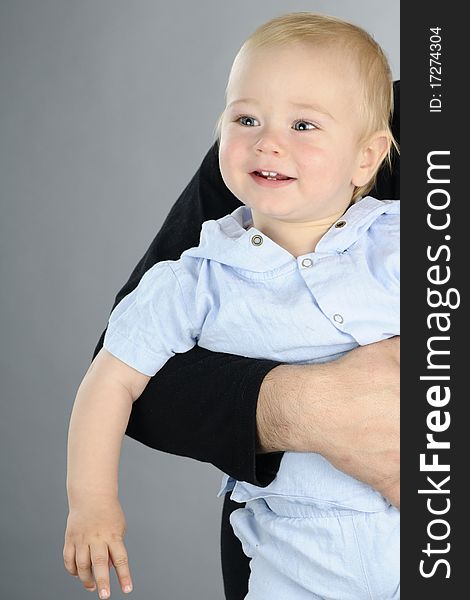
[
  {"x": 271, "y": 212},
  {"x": 275, "y": 205}
]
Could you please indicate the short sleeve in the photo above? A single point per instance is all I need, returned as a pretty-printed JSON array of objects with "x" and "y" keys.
[{"x": 152, "y": 323}]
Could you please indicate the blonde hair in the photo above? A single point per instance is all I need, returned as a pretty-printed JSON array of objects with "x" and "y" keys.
[{"x": 374, "y": 75}]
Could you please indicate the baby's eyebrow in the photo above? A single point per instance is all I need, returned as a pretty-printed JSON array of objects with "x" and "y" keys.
[
  {"x": 303, "y": 105},
  {"x": 314, "y": 107}
]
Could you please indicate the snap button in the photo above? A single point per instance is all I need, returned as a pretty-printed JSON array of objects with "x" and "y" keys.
[
  {"x": 340, "y": 224},
  {"x": 256, "y": 240},
  {"x": 338, "y": 318},
  {"x": 307, "y": 262}
]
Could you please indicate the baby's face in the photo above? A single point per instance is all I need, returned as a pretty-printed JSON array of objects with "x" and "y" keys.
[{"x": 264, "y": 128}]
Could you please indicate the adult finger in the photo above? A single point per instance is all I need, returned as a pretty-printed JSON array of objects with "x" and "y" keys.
[
  {"x": 392, "y": 493},
  {"x": 99, "y": 560},
  {"x": 395, "y": 342},
  {"x": 83, "y": 561},
  {"x": 120, "y": 559}
]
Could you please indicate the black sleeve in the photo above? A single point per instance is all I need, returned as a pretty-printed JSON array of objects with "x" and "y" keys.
[{"x": 202, "y": 404}]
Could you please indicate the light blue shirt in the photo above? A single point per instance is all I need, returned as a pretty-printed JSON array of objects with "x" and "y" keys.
[{"x": 239, "y": 292}]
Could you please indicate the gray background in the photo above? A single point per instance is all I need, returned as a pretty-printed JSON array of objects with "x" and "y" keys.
[{"x": 107, "y": 108}]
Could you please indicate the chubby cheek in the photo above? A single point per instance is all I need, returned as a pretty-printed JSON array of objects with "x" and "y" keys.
[
  {"x": 312, "y": 166},
  {"x": 314, "y": 155},
  {"x": 232, "y": 161},
  {"x": 321, "y": 166}
]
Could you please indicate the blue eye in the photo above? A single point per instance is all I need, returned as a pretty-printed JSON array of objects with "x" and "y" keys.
[
  {"x": 308, "y": 125},
  {"x": 245, "y": 117},
  {"x": 250, "y": 122}
]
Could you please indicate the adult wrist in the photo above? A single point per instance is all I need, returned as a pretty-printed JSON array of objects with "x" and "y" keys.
[{"x": 289, "y": 399}]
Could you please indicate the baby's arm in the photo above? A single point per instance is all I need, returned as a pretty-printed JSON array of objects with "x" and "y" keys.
[{"x": 96, "y": 522}]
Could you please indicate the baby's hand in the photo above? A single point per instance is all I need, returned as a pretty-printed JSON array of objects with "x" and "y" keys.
[{"x": 94, "y": 541}]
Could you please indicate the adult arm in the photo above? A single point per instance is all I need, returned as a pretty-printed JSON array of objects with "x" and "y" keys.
[{"x": 346, "y": 410}]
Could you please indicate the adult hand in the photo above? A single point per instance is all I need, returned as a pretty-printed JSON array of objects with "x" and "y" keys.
[{"x": 347, "y": 410}]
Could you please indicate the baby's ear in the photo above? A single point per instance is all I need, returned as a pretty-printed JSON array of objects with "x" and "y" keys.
[{"x": 371, "y": 155}]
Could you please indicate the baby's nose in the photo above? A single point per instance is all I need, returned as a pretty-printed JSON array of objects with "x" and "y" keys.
[{"x": 269, "y": 144}]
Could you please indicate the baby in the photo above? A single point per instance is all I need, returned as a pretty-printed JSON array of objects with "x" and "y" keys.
[{"x": 305, "y": 271}]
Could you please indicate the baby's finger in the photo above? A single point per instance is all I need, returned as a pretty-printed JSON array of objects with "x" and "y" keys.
[
  {"x": 82, "y": 558},
  {"x": 69, "y": 559},
  {"x": 99, "y": 560},
  {"x": 120, "y": 560}
]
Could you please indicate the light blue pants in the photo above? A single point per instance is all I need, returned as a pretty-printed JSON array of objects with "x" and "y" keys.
[{"x": 309, "y": 552}]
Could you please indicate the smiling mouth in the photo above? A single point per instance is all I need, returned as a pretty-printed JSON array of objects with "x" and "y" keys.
[
  {"x": 271, "y": 175},
  {"x": 268, "y": 181}
]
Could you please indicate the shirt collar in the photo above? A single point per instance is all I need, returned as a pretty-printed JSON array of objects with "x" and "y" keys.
[
  {"x": 233, "y": 241},
  {"x": 354, "y": 223}
]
